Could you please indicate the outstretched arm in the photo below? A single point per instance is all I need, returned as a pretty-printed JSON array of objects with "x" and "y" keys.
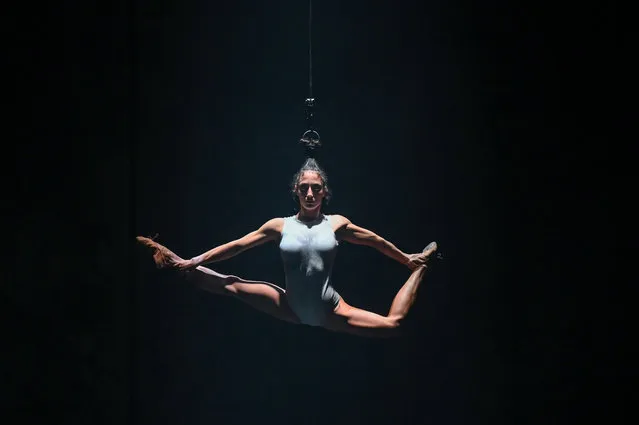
[
  {"x": 352, "y": 233},
  {"x": 269, "y": 231}
]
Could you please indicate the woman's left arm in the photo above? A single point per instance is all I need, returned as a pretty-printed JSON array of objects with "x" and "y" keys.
[{"x": 349, "y": 232}]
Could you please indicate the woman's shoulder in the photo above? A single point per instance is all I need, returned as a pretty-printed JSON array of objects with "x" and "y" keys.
[
  {"x": 276, "y": 220},
  {"x": 337, "y": 220},
  {"x": 274, "y": 224}
]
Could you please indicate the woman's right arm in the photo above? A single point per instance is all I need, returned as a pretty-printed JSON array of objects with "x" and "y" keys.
[{"x": 269, "y": 231}]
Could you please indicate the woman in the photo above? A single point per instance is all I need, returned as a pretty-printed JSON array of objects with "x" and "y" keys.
[{"x": 308, "y": 243}]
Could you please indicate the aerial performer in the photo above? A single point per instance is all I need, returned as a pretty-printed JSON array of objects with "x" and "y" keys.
[{"x": 308, "y": 242}]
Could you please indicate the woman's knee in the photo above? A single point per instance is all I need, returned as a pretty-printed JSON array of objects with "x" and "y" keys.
[
  {"x": 230, "y": 288},
  {"x": 352, "y": 320},
  {"x": 212, "y": 283}
]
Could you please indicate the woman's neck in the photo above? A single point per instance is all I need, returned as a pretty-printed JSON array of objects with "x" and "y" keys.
[{"x": 309, "y": 215}]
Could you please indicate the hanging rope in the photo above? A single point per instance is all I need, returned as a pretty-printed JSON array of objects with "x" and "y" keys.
[
  {"x": 311, "y": 138},
  {"x": 310, "y": 50}
]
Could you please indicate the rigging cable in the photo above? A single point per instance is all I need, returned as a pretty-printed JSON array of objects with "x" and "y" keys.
[{"x": 310, "y": 138}]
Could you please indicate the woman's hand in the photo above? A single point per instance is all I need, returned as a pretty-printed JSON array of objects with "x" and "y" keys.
[
  {"x": 421, "y": 259},
  {"x": 416, "y": 260},
  {"x": 164, "y": 258}
]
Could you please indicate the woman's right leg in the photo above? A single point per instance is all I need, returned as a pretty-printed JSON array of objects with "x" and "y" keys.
[{"x": 263, "y": 296}]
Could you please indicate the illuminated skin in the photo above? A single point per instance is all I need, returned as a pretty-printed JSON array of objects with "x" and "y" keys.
[
  {"x": 310, "y": 193},
  {"x": 271, "y": 299}
]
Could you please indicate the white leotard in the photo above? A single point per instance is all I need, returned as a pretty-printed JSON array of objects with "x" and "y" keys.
[{"x": 308, "y": 251}]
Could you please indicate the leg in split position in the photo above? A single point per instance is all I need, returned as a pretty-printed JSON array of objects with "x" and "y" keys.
[
  {"x": 347, "y": 318},
  {"x": 263, "y": 296},
  {"x": 272, "y": 299}
]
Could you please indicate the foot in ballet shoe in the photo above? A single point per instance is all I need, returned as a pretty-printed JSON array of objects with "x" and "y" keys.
[
  {"x": 148, "y": 242},
  {"x": 430, "y": 249},
  {"x": 162, "y": 256}
]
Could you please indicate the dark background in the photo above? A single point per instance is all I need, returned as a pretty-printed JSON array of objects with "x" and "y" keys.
[{"x": 479, "y": 125}]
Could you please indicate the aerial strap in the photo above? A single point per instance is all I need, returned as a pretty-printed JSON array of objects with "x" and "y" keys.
[{"x": 310, "y": 138}]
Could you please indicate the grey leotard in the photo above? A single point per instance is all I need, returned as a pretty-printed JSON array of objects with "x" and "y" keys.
[{"x": 308, "y": 251}]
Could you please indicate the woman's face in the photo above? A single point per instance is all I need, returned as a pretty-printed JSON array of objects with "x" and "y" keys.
[{"x": 310, "y": 191}]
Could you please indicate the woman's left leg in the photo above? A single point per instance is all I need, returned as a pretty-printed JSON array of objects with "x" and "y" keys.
[{"x": 349, "y": 319}]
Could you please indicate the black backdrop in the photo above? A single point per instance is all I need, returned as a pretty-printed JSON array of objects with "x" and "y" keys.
[{"x": 459, "y": 122}]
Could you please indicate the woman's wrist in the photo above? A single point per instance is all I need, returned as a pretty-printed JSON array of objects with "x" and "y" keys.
[{"x": 196, "y": 261}]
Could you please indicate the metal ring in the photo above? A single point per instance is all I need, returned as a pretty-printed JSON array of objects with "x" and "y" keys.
[{"x": 313, "y": 132}]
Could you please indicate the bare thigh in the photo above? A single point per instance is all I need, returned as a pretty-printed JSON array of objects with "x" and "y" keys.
[
  {"x": 356, "y": 321},
  {"x": 264, "y": 296}
]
